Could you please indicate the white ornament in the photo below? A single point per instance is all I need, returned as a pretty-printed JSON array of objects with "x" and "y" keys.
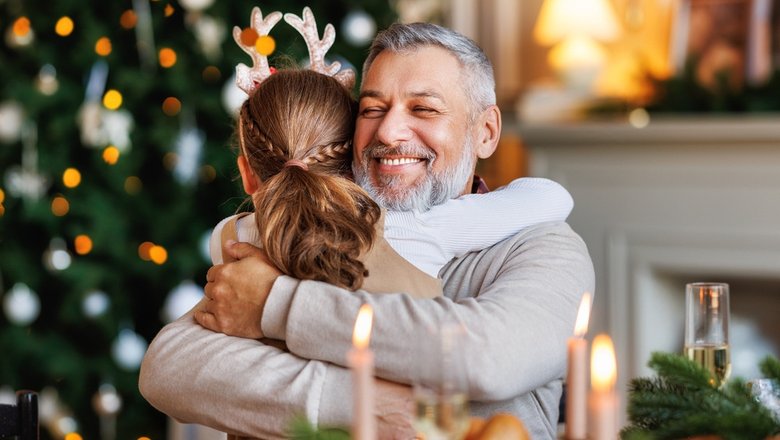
[
  {"x": 11, "y": 118},
  {"x": 16, "y": 41},
  {"x": 195, "y": 5},
  {"x": 57, "y": 256},
  {"x": 210, "y": 34},
  {"x": 101, "y": 127},
  {"x": 21, "y": 304},
  {"x": 181, "y": 299},
  {"x": 47, "y": 80},
  {"x": 358, "y": 28},
  {"x": 189, "y": 147},
  {"x": 95, "y": 303},
  {"x": 107, "y": 402},
  {"x": 128, "y": 349},
  {"x": 232, "y": 96},
  {"x": 26, "y": 181}
]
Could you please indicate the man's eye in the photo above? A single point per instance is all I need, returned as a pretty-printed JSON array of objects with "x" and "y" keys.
[
  {"x": 424, "y": 110},
  {"x": 371, "y": 112}
]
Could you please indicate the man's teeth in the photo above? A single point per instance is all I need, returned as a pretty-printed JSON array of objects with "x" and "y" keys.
[{"x": 401, "y": 161}]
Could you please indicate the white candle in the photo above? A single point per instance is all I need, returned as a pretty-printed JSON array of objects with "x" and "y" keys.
[
  {"x": 576, "y": 376},
  {"x": 361, "y": 361},
  {"x": 603, "y": 400}
]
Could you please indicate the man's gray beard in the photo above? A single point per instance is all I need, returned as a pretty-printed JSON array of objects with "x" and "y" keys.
[{"x": 434, "y": 189}]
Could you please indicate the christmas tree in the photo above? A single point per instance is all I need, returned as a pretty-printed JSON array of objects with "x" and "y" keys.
[{"x": 115, "y": 163}]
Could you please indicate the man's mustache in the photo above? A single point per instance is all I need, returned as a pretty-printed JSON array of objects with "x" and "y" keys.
[{"x": 375, "y": 151}]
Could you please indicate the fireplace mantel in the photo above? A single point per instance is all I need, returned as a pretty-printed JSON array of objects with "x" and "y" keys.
[{"x": 680, "y": 200}]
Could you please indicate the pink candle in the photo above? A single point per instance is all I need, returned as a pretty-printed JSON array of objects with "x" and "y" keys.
[
  {"x": 576, "y": 376},
  {"x": 603, "y": 401},
  {"x": 361, "y": 361}
]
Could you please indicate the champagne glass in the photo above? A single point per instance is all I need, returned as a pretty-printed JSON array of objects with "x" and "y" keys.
[
  {"x": 441, "y": 399},
  {"x": 707, "y": 328}
]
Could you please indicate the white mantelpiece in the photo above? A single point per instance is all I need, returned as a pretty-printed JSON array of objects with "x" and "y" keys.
[{"x": 680, "y": 200}]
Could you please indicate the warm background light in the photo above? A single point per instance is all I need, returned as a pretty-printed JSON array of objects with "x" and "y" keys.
[
  {"x": 103, "y": 46},
  {"x": 133, "y": 185},
  {"x": 158, "y": 254},
  {"x": 211, "y": 74},
  {"x": 64, "y": 26},
  {"x": 128, "y": 19},
  {"x": 71, "y": 177},
  {"x": 265, "y": 45},
  {"x": 169, "y": 10},
  {"x": 111, "y": 155},
  {"x": 143, "y": 250},
  {"x": 60, "y": 206},
  {"x": 73, "y": 436},
  {"x": 171, "y": 106},
  {"x": 83, "y": 244},
  {"x": 248, "y": 37},
  {"x": 21, "y": 26},
  {"x": 167, "y": 57},
  {"x": 112, "y": 100},
  {"x": 362, "y": 333},
  {"x": 603, "y": 367}
]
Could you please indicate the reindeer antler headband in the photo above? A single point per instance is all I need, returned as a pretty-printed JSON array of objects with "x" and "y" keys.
[{"x": 248, "y": 79}]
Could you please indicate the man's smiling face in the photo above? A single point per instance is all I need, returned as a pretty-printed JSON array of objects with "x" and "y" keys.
[{"x": 413, "y": 140}]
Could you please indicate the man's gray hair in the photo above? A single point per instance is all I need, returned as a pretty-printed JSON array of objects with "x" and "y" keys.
[{"x": 479, "y": 82}]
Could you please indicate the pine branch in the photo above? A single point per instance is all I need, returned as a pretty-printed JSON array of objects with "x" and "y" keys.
[
  {"x": 680, "y": 370},
  {"x": 770, "y": 368},
  {"x": 680, "y": 403}
]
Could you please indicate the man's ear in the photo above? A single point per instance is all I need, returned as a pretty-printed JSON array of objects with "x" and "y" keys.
[
  {"x": 489, "y": 131},
  {"x": 248, "y": 177}
]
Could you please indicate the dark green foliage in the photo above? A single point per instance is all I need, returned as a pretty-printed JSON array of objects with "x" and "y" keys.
[
  {"x": 680, "y": 402},
  {"x": 63, "y": 348}
]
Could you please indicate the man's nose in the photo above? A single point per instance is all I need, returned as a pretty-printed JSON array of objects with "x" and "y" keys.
[{"x": 394, "y": 128}]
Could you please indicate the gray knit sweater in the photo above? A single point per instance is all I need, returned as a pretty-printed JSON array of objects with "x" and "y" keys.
[{"x": 517, "y": 301}]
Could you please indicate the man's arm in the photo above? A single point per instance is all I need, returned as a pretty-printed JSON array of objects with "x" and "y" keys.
[
  {"x": 517, "y": 301},
  {"x": 243, "y": 387}
]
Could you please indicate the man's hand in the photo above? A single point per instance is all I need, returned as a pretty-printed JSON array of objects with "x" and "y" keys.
[
  {"x": 394, "y": 410},
  {"x": 236, "y": 292}
]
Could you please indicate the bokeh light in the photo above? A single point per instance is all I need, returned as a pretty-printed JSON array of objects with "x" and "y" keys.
[
  {"x": 143, "y": 250},
  {"x": 64, "y": 26},
  {"x": 211, "y": 74},
  {"x": 158, "y": 254},
  {"x": 169, "y": 160},
  {"x": 103, "y": 46},
  {"x": 111, "y": 155},
  {"x": 208, "y": 173},
  {"x": 2, "y": 196},
  {"x": 167, "y": 57},
  {"x": 171, "y": 106},
  {"x": 128, "y": 19},
  {"x": 82, "y": 244},
  {"x": 248, "y": 37},
  {"x": 265, "y": 45},
  {"x": 112, "y": 100},
  {"x": 169, "y": 10},
  {"x": 133, "y": 185},
  {"x": 21, "y": 26},
  {"x": 60, "y": 206},
  {"x": 73, "y": 436},
  {"x": 71, "y": 177}
]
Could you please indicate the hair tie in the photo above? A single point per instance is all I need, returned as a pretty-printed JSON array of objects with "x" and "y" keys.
[{"x": 297, "y": 163}]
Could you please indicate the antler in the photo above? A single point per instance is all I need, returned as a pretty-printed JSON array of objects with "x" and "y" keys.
[
  {"x": 317, "y": 48},
  {"x": 247, "y": 79}
]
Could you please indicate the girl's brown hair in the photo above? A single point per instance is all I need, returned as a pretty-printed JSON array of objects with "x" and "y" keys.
[{"x": 314, "y": 224}]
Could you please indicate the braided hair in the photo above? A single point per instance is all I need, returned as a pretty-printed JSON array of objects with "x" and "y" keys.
[{"x": 314, "y": 224}]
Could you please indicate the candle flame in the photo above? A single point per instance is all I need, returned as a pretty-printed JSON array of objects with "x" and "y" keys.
[
  {"x": 362, "y": 332},
  {"x": 603, "y": 367},
  {"x": 583, "y": 315}
]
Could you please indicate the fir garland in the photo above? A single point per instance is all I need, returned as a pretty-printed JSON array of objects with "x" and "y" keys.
[{"x": 681, "y": 402}]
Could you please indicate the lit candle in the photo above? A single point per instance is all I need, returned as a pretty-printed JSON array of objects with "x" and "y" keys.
[
  {"x": 361, "y": 362},
  {"x": 603, "y": 400},
  {"x": 576, "y": 376}
]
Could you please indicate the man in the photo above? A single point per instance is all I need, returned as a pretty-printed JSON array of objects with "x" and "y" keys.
[{"x": 427, "y": 112}]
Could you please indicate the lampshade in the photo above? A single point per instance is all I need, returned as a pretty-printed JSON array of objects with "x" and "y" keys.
[{"x": 559, "y": 19}]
